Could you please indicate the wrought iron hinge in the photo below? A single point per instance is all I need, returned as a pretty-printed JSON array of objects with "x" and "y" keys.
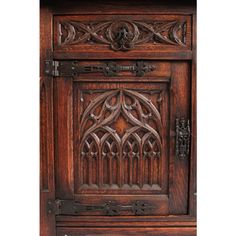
[
  {"x": 110, "y": 69},
  {"x": 53, "y": 207},
  {"x": 183, "y": 134},
  {"x": 51, "y": 68},
  {"x": 109, "y": 208}
]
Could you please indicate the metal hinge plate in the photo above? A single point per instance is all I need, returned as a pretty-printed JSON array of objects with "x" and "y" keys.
[
  {"x": 51, "y": 68},
  {"x": 109, "y": 69},
  {"x": 109, "y": 208},
  {"x": 183, "y": 137},
  {"x": 53, "y": 207}
]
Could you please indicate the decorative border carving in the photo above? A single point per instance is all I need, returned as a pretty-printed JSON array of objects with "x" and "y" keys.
[
  {"x": 122, "y": 35},
  {"x": 109, "y": 208},
  {"x": 182, "y": 138}
]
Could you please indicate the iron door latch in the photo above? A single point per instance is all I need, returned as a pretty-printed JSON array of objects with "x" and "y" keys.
[{"x": 183, "y": 134}]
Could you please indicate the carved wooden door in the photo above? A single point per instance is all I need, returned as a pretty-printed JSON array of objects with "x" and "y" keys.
[
  {"x": 118, "y": 120},
  {"x": 115, "y": 139}
]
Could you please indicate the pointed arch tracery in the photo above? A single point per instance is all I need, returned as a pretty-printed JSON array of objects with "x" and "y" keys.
[{"x": 122, "y": 160}]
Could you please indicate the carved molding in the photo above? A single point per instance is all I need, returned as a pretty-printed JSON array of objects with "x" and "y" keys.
[
  {"x": 109, "y": 208},
  {"x": 111, "y": 69},
  {"x": 182, "y": 137},
  {"x": 122, "y": 35}
]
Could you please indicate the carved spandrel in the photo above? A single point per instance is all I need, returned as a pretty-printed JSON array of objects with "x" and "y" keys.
[{"x": 122, "y": 35}]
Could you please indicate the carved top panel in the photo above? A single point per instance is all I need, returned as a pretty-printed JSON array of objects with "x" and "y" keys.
[{"x": 122, "y": 33}]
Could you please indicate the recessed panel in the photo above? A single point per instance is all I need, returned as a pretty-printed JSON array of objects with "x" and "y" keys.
[{"x": 121, "y": 137}]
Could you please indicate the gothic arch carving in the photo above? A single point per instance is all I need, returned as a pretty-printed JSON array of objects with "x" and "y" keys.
[
  {"x": 121, "y": 153},
  {"x": 122, "y": 35}
]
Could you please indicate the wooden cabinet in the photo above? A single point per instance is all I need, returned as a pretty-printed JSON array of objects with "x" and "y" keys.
[{"x": 117, "y": 119}]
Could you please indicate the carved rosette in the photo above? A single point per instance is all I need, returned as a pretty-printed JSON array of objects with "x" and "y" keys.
[{"x": 122, "y": 35}]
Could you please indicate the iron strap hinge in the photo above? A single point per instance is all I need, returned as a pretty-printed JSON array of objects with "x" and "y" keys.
[
  {"x": 53, "y": 207},
  {"x": 108, "y": 208},
  {"x": 51, "y": 68},
  {"x": 68, "y": 68}
]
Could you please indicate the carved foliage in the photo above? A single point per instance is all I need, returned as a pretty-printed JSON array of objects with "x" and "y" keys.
[
  {"x": 122, "y": 35},
  {"x": 120, "y": 137}
]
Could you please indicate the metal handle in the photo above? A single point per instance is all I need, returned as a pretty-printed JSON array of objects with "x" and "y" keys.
[{"x": 183, "y": 133}]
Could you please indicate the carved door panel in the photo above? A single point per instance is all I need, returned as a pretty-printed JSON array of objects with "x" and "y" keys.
[
  {"x": 121, "y": 143},
  {"x": 118, "y": 118}
]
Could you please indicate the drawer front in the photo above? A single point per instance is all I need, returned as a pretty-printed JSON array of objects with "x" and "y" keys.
[{"x": 122, "y": 33}]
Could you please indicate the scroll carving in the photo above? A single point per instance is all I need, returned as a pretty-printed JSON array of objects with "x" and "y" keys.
[
  {"x": 122, "y": 35},
  {"x": 121, "y": 133}
]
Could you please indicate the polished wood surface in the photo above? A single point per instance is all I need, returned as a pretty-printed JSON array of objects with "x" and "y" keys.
[{"x": 125, "y": 73}]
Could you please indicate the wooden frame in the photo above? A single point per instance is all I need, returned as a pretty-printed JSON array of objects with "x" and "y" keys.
[{"x": 48, "y": 182}]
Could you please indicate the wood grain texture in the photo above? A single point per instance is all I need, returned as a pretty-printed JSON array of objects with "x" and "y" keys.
[
  {"x": 179, "y": 169},
  {"x": 193, "y": 163},
  {"x": 126, "y": 221},
  {"x": 164, "y": 55},
  {"x": 63, "y": 123},
  {"x": 47, "y": 187},
  {"x": 99, "y": 7},
  {"x": 124, "y": 122},
  {"x": 126, "y": 128},
  {"x": 126, "y": 231},
  {"x": 108, "y": 140},
  {"x": 104, "y": 33},
  {"x": 122, "y": 35},
  {"x": 122, "y": 142}
]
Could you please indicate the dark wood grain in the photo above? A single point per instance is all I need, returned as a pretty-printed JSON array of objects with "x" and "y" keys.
[
  {"x": 104, "y": 33},
  {"x": 193, "y": 164},
  {"x": 121, "y": 32},
  {"x": 117, "y": 221},
  {"x": 123, "y": 175},
  {"x": 126, "y": 231},
  {"x": 63, "y": 138},
  {"x": 47, "y": 186},
  {"x": 108, "y": 157},
  {"x": 179, "y": 169},
  {"x": 111, "y": 7},
  {"x": 164, "y": 55}
]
